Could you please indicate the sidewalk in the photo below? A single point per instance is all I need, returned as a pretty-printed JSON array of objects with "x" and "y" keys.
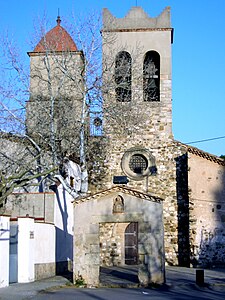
[
  {"x": 20, "y": 291},
  {"x": 175, "y": 277}
]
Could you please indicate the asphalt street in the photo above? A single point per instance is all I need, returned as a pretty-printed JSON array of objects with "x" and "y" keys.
[
  {"x": 180, "y": 284},
  {"x": 180, "y": 293}
]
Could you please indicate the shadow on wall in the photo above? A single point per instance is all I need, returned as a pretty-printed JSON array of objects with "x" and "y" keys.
[
  {"x": 64, "y": 240},
  {"x": 151, "y": 255},
  {"x": 183, "y": 210},
  {"x": 212, "y": 242},
  {"x": 201, "y": 222}
]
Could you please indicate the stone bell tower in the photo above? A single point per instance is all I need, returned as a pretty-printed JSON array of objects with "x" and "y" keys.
[
  {"x": 140, "y": 151},
  {"x": 56, "y": 91},
  {"x": 137, "y": 90},
  {"x": 137, "y": 69}
]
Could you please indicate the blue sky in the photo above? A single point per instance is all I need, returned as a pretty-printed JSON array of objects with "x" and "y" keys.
[{"x": 198, "y": 55}]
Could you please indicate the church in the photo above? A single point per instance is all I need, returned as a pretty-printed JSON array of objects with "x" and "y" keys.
[
  {"x": 151, "y": 201},
  {"x": 140, "y": 157}
]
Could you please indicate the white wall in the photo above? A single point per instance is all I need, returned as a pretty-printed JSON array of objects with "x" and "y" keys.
[
  {"x": 26, "y": 249},
  {"x": 44, "y": 243},
  {"x": 63, "y": 220},
  {"x": 4, "y": 251}
]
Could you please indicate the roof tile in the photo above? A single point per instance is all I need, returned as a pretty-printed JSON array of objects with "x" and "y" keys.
[{"x": 57, "y": 39}]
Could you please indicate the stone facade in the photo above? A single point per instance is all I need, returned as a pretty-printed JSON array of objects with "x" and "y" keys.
[
  {"x": 207, "y": 209},
  {"x": 99, "y": 234},
  {"x": 111, "y": 238},
  {"x": 141, "y": 126},
  {"x": 138, "y": 124},
  {"x": 163, "y": 184}
]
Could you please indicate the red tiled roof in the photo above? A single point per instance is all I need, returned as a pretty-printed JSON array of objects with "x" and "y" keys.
[
  {"x": 57, "y": 39},
  {"x": 206, "y": 155},
  {"x": 202, "y": 153}
]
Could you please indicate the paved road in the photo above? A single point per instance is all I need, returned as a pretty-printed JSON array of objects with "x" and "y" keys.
[
  {"x": 127, "y": 275},
  {"x": 180, "y": 286},
  {"x": 181, "y": 293}
]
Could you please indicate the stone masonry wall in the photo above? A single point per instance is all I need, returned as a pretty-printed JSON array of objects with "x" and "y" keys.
[
  {"x": 111, "y": 237},
  {"x": 94, "y": 234},
  {"x": 138, "y": 123},
  {"x": 207, "y": 212},
  {"x": 164, "y": 184}
]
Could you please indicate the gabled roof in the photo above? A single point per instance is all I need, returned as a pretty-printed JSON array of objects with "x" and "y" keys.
[
  {"x": 201, "y": 153},
  {"x": 57, "y": 39},
  {"x": 206, "y": 155},
  {"x": 122, "y": 189}
]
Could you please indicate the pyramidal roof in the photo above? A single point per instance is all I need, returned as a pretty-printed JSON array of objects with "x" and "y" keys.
[{"x": 57, "y": 39}]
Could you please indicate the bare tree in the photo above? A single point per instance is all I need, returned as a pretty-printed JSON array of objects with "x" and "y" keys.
[
  {"x": 21, "y": 166},
  {"x": 47, "y": 102},
  {"x": 46, "y": 109}
]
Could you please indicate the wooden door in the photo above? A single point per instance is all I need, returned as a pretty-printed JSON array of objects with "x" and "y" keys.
[{"x": 131, "y": 244}]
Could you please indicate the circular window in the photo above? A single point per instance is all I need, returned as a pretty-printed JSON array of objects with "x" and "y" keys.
[
  {"x": 137, "y": 163},
  {"x": 98, "y": 122}
]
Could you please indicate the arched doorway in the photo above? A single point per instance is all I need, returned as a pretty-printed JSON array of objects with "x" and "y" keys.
[{"x": 131, "y": 244}]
